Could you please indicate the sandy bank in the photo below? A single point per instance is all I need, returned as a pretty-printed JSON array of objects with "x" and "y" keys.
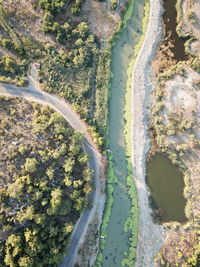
[{"x": 151, "y": 236}]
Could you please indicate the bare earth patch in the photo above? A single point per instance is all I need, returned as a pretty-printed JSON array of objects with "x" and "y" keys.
[
  {"x": 101, "y": 20},
  {"x": 183, "y": 97},
  {"x": 191, "y": 22},
  {"x": 178, "y": 134},
  {"x": 184, "y": 247}
]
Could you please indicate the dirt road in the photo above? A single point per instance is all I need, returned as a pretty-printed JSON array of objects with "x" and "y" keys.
[{"x": 33, "y": 93}]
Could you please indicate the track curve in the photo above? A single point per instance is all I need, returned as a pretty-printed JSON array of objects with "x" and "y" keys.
[{"x": 33, "y": 93}]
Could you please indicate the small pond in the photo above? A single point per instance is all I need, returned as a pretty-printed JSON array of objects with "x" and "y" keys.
[
  {"x": 166, "y": 185},
  {"x": 170, "y": 22}
]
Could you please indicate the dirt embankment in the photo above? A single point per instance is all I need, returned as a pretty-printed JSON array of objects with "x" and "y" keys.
[
  {"x": 151, "y": 236},
  {"x": 175, "y": 119},
  {"x": 177, "y": 132},
  {"x": 191, "y": 22}
]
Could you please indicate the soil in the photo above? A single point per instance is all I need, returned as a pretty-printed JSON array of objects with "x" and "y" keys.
[
  {"x": 151, "y": 235},
  {"x": 165, "y": 57},
  {"x": 191, "y": 24},
  {"x": 182, "y": 242},
  {"x": 181, "y": 102},
  {"x": 182, "y": 96},
  {"x": 27, "y": 18},
  {"x": 101, "y": 20}
]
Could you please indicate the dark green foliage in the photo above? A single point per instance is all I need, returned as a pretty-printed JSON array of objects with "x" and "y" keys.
[
  {"x": 53, "y": 6},
  {"x": 76, "y": 7},
  {"x": 45, "y": 186},
  {"x": 113, "y": 4},
  {"x": 73, "y": 65}
]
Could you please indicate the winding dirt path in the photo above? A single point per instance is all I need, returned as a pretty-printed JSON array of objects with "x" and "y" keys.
[
  {"x": 150, "y": 236},
  {"x": 33, "y": 93}
]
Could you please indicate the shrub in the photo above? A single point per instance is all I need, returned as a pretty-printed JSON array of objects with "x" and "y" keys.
[{"x": 30, "y": 165}]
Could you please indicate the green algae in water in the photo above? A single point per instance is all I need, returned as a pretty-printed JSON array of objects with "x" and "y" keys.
[
  {"x": 117, "y": 241},
  {"x": 166, "y": 184}
]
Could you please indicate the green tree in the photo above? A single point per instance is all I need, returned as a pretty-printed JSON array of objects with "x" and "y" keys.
[
  {"x": 56, "y": 200},
  {"x": 30, "y": 165},
  {"x": 6, "y": 43},
  {"x": 25, "y": 261}
]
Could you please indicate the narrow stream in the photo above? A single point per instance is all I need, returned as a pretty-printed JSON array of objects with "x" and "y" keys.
[{"x": 117, "y": 242}]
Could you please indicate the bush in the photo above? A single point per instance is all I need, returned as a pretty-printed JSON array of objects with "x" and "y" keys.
[
  {"x": 22, "y": 82},
  {"x": 30, "y": 165},
  {"x": 113, "y": 4}
]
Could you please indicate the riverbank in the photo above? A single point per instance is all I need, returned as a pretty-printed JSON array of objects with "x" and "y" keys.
[
  {"x": 174, "y": 129},
  {"x": 119, "y": 232},
  {"x": 150, "y": 236}
]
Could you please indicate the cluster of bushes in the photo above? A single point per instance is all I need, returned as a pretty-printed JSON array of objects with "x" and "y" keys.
[
  {"x": 76, "y": 7},
  {"x": 8, "y": 44},
  {"x": 22, "y": 49},
  {"x": 8, "y": 66},
  {"x": 53, "y": 6},
  {"x": 50, "y": 25},
  {"x": 102, "y": 83},
  {"x": 46, "y": 186},
  {"x": 79, "y": 72},
  {"x": 56, "y": 6}
]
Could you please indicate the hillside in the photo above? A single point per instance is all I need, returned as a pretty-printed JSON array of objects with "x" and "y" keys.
[
  {"x": 65, "y": 38},
  {"x": 45, "y": 183}
]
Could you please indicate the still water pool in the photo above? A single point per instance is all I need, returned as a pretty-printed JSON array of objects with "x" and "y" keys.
[{"x": 166, "y": 184}]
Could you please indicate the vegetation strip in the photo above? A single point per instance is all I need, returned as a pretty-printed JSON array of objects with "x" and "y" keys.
[
  {"x": 131, "y": 223},
  {"x": 111, "y": 178}
]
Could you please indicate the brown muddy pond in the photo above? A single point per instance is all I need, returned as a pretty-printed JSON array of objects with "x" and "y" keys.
[
  {"x": 166, "y": 186},
  {"x": 170, "y": 23}
]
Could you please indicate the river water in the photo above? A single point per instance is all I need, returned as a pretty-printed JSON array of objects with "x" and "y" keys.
[{"x": 117, "y": 240}]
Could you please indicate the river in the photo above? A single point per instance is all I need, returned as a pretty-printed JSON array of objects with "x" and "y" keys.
[{"x": 117, "y": 242}]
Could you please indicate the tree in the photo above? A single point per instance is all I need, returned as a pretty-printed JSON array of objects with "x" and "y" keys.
[
  {"x": 68, "y": 228},
  {"x": 67, "y": 181},
  {"x": 113, "y": 4},
  {"x": 83, "y": 29},
  {"x": 13, "y": 240},
  {"x": 25, "y": 261},
  {"x": 56, "y": 200},
  {"x": 75, "y": 10},
  {"x": 30, "y": 165},
  {"x": 6, "y": 43},
  {"x": 8, "y": 62},
  {"x": 22, "y": 82},
  {"x": 69, "y": 164}
]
